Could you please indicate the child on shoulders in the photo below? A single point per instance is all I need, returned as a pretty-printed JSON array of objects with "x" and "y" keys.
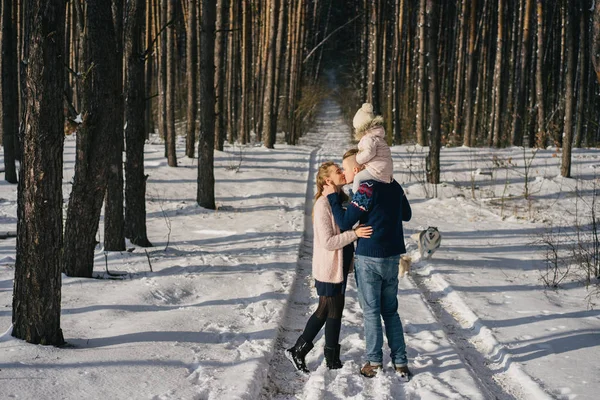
[{"x": 373, "y": 150}]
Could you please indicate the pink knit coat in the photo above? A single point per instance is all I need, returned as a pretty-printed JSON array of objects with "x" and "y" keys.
[
  {"x": 375, "y": 154},
  {"x": 327, "y": 265}
]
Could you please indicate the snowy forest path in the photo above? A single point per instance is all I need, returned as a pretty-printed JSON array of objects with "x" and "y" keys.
[
  {"x": 444, "y": 282},
  {"x": 440, "y": 371}
]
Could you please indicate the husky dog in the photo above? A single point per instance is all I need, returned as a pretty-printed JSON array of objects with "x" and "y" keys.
[
  {"x": 429, "y": 241},
  {"x": 405, "y": 262}
]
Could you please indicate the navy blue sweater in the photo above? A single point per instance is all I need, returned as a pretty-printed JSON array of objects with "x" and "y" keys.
[{"x": 382, "y": 206}]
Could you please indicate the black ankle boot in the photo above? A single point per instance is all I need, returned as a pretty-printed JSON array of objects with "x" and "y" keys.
[
  {"x": 332, "y": 357},
  {"x": 297, "y": 354}
]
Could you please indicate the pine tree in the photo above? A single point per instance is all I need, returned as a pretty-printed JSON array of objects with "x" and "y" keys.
[
  {"x": 206, "y": 178},
  {"x": 37, "y": 284}
]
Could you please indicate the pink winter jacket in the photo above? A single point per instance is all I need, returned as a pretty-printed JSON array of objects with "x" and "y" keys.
[
  {"x": 376, "y": 155},
  {"x": 327, "y": 263}
]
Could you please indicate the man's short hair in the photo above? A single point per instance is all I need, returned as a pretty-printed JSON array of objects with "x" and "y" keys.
[{"x": 350, "y": 153}]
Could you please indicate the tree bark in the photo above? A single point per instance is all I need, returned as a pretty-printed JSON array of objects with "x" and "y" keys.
[
  {"x": 373, "y": 83},
  {"x": 171, "y": 85},
  {"x": 458, "y": 95},
  {"x": 37, "y": 283},
  {"x": 206, "y": 178},
  {"x": 150, "y": 60},
  {"x": 94, "y": 140},
  {"x": 232, "y": 73},
  {"x": 434, "y": 94},
  {"x": 192, "y": 87},
  {"x": 421, "y": 88},
  {"x": 246, "y": 72},
  {"x": 9, "y": 90},
  {"x": 114, "y": 223},
  {"x": 162, "y": 107},
  {"x": 267, "y": 106},
  {"x": 596, "y": 40},
  {"x": 469, "y": 117},
  {"x": 279, "y": 60},
  {"x": 220, "y": 76},
  {"x": 565, "y": 168},
  {"x": 135, "y": 110},
  {"x": 398, "y": 76},
  {"x": 584, "y": 17},
  {"x": 541, "y": 135},
  {"x": 520, "y": 109},
  {"x": 497, "y": 113}
]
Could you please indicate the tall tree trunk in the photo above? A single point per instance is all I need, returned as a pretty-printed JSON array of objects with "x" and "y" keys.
[
  {"x": 246, "y": 72},
  {"x": 232, "y": 51},
  {"x": 286, "y": 76},
  {"x": 94, "y": 140},
  {"x": 560, "y": 87},
  {"x": 9, "y": 90},
  {"x": 24, "y": 39},
  {"x": 372, "y": 85},
  {"x": 114, "y": 223},
  {"x": 397, "y": 67},
  {"x": 279, "y": 59},
  {"x": 421, "y": 83},
  {"x": 150, "y": 59},
  {"x": 596, "y": 40},
  {"x": 541, "y": 135},
  {"x": 469, "y": 117},
  {"x": 584, "y": 16},
  {"x": 458, "y": 95},
  {"x": 434, "y": 93},
  {"x": 364, "y": 51},
  {"x": 37, "y": 283},
  {"x": 295, "y": 74},
  {"x": 268, "y": 125},
  {"x": 171, "y": 85},
  {"x": 565, "y": 169},
  {"x": 259, "y": 20},
  {"x": 162, "y": 112},
  {"x": 479, "y": 127},
  {"x": 220, "y": 76},
  {"x": 206, "y": 178},
  {"x": 192, "y": 87},
  {"x": 497, "y": 113},
  {"x": 520, "y": 109},
  {"x": 135, "y": 189}
]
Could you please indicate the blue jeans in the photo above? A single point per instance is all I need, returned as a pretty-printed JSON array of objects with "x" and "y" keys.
[{"x": 377, "y": 282}]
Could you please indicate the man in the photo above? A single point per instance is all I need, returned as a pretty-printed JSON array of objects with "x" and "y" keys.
[{"x": 383, "y": 206}]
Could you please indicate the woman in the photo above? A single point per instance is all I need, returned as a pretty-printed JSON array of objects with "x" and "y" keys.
[{"x": 333, "y": 254}]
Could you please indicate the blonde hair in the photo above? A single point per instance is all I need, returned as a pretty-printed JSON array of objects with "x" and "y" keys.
[{"x": 322, "y": 175}]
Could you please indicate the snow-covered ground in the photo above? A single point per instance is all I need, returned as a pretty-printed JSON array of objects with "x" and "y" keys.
[{"x": 231, "y": 288}]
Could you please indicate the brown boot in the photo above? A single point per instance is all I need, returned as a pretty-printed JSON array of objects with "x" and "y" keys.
[
  {"x": 370, "y": 370},
  {"x": 403, "y": 372}
]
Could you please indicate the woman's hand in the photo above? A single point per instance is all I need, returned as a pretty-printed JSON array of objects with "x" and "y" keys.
[
  {"x": 329, "y": 189},
  {"x": 363, "y": 231}
]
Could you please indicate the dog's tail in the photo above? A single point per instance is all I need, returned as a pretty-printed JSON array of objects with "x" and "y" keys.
[{"x": 416, "y": 236}]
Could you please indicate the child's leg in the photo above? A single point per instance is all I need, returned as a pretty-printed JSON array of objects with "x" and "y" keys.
[{"x": 362, "y": 176}]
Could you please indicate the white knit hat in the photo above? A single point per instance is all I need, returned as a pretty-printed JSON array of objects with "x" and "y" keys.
[{"x": 363, "y": 116}]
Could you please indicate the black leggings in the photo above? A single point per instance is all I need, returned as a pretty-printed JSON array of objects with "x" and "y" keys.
[{"x": 328, "y": 313}]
